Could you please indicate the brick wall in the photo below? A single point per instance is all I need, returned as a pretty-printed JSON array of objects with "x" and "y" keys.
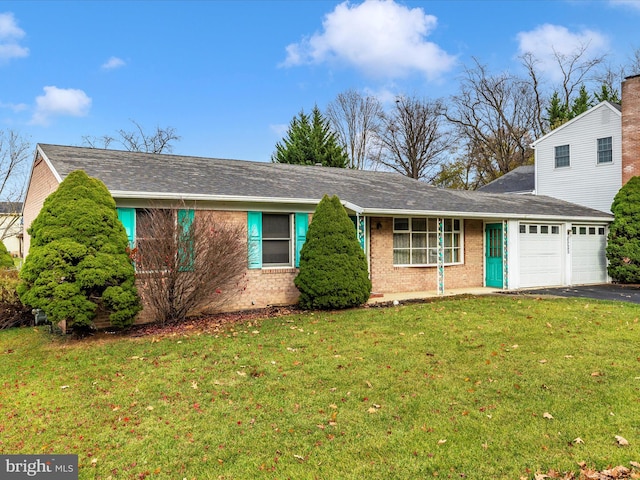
[
  {"x": 260, "y": 287},
  {"x": 630, "y": 128},
  {"x": 389, "y": 279},
  {"x": 43, "y": 183}
]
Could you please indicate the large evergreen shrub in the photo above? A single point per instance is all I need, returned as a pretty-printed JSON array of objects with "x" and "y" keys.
[
  {"x": 333, "y": 267},
  {"x": 623, "y": 246},
  {"x": 6, "y": 260},
  {"x": 78, "y": 262}
]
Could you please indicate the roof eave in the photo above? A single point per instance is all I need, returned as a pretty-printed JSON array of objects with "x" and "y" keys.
[
  {"x": 574, "y": 120},
  {"x": 223, "y": 198},
  {"x": 493, "y": 215}
]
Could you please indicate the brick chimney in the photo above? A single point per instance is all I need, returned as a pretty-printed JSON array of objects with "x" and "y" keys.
[{"x": 630, "y": 127}]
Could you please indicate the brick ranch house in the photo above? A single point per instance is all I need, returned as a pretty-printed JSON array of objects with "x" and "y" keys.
[{"x": 416, "y": 237}]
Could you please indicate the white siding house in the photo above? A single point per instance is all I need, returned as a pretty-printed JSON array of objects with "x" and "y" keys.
[{"x": 581, "y": 161}]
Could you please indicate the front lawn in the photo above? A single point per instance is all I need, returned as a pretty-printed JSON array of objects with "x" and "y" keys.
[{"x": 489, "y": 387}]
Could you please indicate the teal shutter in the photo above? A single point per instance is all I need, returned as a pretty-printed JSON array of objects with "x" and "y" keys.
[
  {"x": 302, "y": 225},
  {"x": 128, "y": 218},
  {"x": 186, "y": 251},
  {"x": 254, "y": 230}
]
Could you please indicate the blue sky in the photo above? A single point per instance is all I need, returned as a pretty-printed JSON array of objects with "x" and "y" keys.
[{"x": 230, "y": 75}]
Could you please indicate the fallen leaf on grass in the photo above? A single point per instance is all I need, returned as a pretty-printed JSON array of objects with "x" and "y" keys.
[
  {"x": 299, "y": 457},
  {"x": 623, "y": 442},
  {"x": 578, "y": 440},
  {"x": 635, "y": 464},
  {"x": 547, "y": 415},
  {"x": 64, "y": 387},
  {"x": 596, "y": 374},
  {"x": 442, "y": 441}
]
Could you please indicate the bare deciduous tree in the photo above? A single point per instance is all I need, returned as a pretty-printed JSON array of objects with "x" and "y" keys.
[
  {"x": 137, "y": 140},
  {"x": 356, "y": 121},
  {"x": 413, "y": 137},
  {"x": 495, "y": 119},
  {"x": 15, "y": 152},
  {"x": 187, "y": 261},
  {"x": 576, "y": 69}
]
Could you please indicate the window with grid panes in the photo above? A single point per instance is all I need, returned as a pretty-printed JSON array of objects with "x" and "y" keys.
[
  {"x": 415, "y": 241},
  {"x": 605, "y": 150}
]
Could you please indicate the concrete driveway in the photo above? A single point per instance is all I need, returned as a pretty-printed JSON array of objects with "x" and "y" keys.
[{"x": 607, "y": 291}]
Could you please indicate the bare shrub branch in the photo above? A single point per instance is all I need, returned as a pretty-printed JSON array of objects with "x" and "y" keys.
[{"x": 187, "y": 263}]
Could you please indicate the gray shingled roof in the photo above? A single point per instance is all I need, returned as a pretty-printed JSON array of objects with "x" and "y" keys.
[
  {"x": 131, "y": 174},
  {"x": 518, "y": 180}
]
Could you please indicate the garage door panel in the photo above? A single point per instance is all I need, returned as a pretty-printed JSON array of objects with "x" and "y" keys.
[
  {"x": 541, "y": 257},
  {"x": 588, "y": 254}
]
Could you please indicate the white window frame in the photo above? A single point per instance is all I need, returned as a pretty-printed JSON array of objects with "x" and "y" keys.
[
  {"x": 608, "y": 152},
  {"x": 431, "y": 235},
  {"x": 556, "y": 156},
  {"x": 290, "y": 240}
]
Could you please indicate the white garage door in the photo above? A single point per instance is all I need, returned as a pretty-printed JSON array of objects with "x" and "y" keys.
[
  {"x": 541, "y": 259},
  {"x": 588, "y": 258}
]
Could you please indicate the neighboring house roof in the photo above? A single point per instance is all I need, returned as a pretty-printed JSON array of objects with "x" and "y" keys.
[
  {"x": 10, "y": 208},
  {"x": 132, "y": 175},
  {"x": 614, "y": 107},
  {"x": 518, "y": 180}
]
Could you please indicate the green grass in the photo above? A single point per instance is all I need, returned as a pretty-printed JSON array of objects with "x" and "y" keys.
[{"x": 452, "y": 389}]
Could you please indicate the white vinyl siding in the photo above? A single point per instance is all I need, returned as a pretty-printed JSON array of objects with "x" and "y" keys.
[{"x": 586, "y": 182}]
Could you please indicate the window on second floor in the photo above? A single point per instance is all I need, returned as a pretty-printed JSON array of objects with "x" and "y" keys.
[
  {"x": 562, "y": 156},
  {"x": 605, "y": 150}
]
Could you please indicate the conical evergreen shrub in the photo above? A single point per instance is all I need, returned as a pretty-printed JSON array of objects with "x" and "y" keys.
[
  {"x": 333, "y": 268},
  {"x": 6, "y": 260},
  {"x": 78, "y": 262}
]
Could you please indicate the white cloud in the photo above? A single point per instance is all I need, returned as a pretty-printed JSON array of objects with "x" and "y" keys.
[
  {"x": 548, "y": 41},
  {"x": 379, "y": 37},
  {"x": 16, "y": 107},
  {"x": 10, "y": 34},
  {"x": 60, "y": 102},
  {"x": 629, "y": 3},
  {"x": 113, "y": 63}
]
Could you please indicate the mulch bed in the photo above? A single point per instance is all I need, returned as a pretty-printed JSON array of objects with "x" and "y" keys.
[{"x": 213, "y": 323}]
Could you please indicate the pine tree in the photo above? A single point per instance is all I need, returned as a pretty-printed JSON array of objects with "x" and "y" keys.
[
  {"x": 333, "y": 267},
  {"x": 623, "y": 246},
  {"x": 607, "y": 94},
  {"x": 581, "y": 103},
  {"x": 557, "y": 113},
  {"x": 78, "y": 263},
  {"x": 310, "y": 141}
]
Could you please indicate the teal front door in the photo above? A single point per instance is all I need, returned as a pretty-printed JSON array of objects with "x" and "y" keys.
[{"x": 493, "y": 255}]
